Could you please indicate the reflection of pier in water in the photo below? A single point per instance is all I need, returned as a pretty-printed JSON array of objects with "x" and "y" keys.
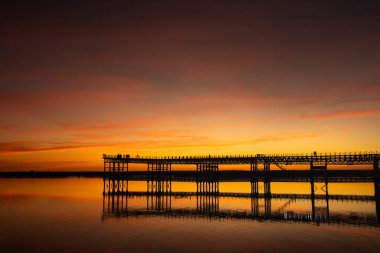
[{"x": 159, "y": 203}]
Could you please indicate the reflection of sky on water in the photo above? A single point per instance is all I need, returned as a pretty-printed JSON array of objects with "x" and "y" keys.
[{"x": 44, "y": 215}]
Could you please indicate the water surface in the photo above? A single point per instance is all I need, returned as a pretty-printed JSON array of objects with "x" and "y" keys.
[{"x": 73, "y": 215}]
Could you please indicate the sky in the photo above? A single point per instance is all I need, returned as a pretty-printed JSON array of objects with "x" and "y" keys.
[{"x": 83, "y": 78}]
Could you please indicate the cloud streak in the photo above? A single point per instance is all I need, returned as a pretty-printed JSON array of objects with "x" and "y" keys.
[
  {"x": 343, "y": 114},
  {"x": 17, "y": 147}
]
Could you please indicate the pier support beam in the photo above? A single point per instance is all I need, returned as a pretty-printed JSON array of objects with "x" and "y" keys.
[
  {"x": 207, "y": 179},
  {"x": 104, "y": 178},
  {"x": 254, "y": 179},
  {"x": 376, "y": 181},
  {"x": 207, "y": 187},
  {"x": 312, "y": 190},
  {"x": 267, "y": 190},
  {"x": 267, "y": 179},
  {"x": 254, "y": 187},
  {"x": 159, "y": 186},
  {"x": 115, "y": 173},
  {"x": 254, "y": 166},
  {"x": 327, "y": 194},
  {"x": 320, "y": 167},
  {"x": 159, "y": 180}
]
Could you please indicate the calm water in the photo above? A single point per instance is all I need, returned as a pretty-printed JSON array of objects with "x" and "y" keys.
[{"x": 72, "y": 215}]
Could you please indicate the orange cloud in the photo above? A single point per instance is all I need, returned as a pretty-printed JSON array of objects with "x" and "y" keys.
[
  {"x": 14, "y": 147},
  {"x": 343, "y": 114}
]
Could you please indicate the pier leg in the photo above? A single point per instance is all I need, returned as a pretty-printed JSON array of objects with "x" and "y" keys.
[
  {"x": 126, "y": 184},
  {"x": 118, "y": 177},
  {"x": 126, "y": 176},
  {"x": 207, "y": 187},
  {"x": 147, "y": 181},
  {"x": 254, "y": 187},
  {"x": 207, "y": 179},
  {"x": 113, "y": 176},
  {"x": 376, "y": 181},
  {"x": 267, "y": 190},
  {"x": 108, "y": 169},
  {"x": 266, "y": 166},
  {"x": 312, "y": 190},
  {"x": 104, "y": 179},
  {"x": 327, "y": 195},
  {"x": 122, "y": 177},
  {"x": 254, "y": 166},
  {"x": 254, "y": 179}
]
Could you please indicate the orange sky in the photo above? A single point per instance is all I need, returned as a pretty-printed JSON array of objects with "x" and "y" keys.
[{"x": 185, "y": 78}]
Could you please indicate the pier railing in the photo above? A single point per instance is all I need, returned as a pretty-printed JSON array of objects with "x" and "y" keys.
[{"x": 287, "y": 159}]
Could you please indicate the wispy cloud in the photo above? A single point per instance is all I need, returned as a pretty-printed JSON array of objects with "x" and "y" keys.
[
  {"x": 342, "y": 114},
  {"x": 14, "y": 147}
]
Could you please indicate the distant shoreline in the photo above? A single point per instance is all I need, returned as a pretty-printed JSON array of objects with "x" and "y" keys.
[{"x": 51, "y": 174}]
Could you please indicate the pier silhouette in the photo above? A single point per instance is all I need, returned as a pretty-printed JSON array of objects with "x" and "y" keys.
[
  {"x": 207, "y": 173},
  {"x": 207, "y": 168},
  {"x": 159, "y": 177}
]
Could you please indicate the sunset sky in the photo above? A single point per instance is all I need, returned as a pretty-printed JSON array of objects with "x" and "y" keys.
[{"x": 83, "y": 78}]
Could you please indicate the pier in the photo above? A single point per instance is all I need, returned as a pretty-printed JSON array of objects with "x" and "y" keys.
[
  {"x": 208, "y": 166},
  {"x": 263, "y": 169}
]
